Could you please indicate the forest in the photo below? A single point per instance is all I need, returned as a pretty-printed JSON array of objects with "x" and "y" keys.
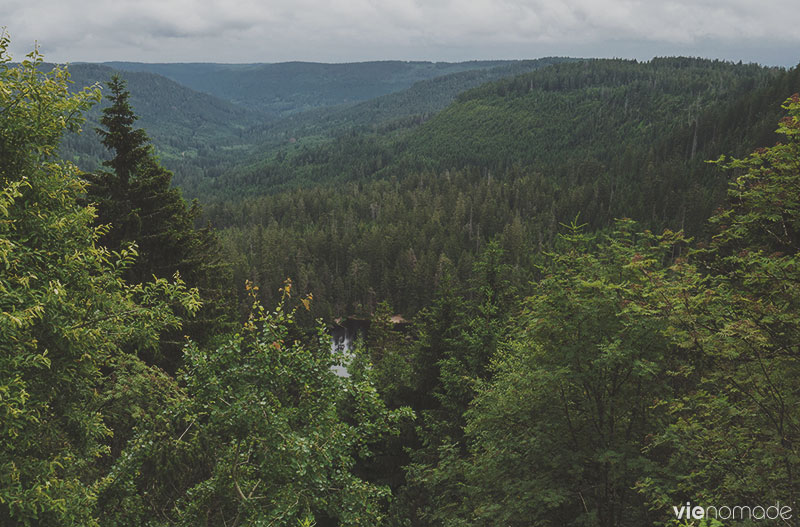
[{"x": 580, "y": 281}]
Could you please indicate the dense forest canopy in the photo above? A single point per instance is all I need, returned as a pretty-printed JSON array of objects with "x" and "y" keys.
[
  {"x": 573, "y": 316},
  {"x": 370, "y": 216}
]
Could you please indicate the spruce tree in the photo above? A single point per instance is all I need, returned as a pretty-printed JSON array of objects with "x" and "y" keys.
[
  {"x": 136, "y": 200},
  {"x": 111, "y": 190},
  {"x": 130, "y": 144}
]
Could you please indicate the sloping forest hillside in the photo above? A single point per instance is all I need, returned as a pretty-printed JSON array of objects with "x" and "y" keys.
[
  {"x": 373, "y": 216},
  {"x": 417, "y": 102},
  {"x": 201, "y": 137},
  {"x": 572, "y": 316}
]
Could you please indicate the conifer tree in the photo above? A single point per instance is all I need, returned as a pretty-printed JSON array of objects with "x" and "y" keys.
[
  {"x": 111, "y": 190},
  {"x": 130, "y": 144},
  {"x": 136, "y": 199}
]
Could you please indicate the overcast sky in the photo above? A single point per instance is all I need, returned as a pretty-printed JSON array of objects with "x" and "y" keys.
[{"x": 764, "y": 31}]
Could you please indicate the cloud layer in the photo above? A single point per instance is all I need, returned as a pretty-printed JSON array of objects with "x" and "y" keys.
[{"x": 353, "y": 30}]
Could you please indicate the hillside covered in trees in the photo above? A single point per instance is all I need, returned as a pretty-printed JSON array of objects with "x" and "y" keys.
[
  {"x": 580, "y": 281},
  {"x": 201, "y": 132},
  {"x": 373, "y": 216}
]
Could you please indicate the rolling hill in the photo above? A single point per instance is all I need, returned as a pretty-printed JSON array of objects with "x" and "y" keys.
[
  {"x": 378, "y": 214},
  {"x": 419, "y": 101},
  {"x": 290, "y": 87}
]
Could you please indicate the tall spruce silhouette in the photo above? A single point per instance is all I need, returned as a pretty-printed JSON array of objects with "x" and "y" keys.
[{"x": 135, "y": 199}]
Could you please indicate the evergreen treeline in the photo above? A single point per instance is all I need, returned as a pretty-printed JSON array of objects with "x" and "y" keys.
[{"x": 557, "y": 371}]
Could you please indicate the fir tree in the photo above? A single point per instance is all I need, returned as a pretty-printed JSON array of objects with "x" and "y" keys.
[{"x": 138, "y": 203}]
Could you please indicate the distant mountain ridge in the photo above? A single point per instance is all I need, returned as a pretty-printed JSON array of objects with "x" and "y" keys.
[
  {"x": 422, "y": 99},
  {"x": 200, "y": 136},
  {"x": 592, "y": 123},
  {"x": 286, "y": 88}
]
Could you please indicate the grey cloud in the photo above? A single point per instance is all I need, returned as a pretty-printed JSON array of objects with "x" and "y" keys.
[{"x": 339, "y": 30}]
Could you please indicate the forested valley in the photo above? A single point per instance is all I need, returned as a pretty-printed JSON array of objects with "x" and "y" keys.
[{"x": 577, "y": 283}]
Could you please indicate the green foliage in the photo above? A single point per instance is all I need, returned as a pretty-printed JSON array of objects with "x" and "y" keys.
[
  {"x": 263, "y": 433},
  {"x": 136, "y": 201},
  {"x": 735, "y": 439},
  {"x": 555, "y": 437},
  {"x": 763, "y": 210},
  {"x": 65, "y": 310},
  {"x": 129, "y": 145}
]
